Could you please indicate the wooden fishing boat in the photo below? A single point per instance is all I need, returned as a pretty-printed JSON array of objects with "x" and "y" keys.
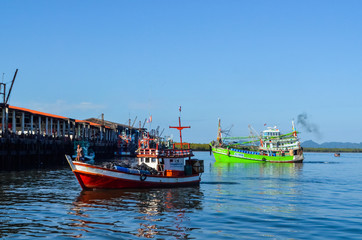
[
  {"x": 160, "y": 167},
  {"x": 270, "y": 146}
]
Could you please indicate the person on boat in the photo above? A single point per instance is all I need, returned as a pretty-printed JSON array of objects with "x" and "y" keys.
[{"x": 79, "y": 153}]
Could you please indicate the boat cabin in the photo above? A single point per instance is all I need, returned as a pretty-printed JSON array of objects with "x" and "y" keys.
[
  {"x": 166, "y": 160},
  {"x": 271, "y": 132},
  {"x": 149, "y": 161}
]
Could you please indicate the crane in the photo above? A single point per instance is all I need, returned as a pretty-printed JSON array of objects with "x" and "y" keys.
[
  {"x": 134, "y": 121},
  {"x": 11, "y": 87}
]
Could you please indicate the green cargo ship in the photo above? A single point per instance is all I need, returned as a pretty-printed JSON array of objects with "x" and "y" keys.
[{"x": 269, "y": 146}]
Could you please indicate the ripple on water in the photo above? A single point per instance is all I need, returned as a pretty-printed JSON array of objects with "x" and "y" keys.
[{"x": 319, "y": 199}]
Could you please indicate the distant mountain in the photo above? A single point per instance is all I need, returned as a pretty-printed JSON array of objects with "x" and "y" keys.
[{"x": 312, "y": 144}]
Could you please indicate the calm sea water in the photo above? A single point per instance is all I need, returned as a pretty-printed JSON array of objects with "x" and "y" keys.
[{"x": 318, "y": 199}]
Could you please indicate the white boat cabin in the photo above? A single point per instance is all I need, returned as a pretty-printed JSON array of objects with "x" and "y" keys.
[
  {"x": 271, "y": 139},
  {"x": 162, "y": 164},
  {"x": 271, "y": 132}
]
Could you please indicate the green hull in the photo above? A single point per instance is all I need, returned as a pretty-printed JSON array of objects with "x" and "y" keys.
[{"x": 230, "y": 155}]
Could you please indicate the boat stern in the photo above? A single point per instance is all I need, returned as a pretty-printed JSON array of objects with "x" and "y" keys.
[{"x": 298, "y": 158}]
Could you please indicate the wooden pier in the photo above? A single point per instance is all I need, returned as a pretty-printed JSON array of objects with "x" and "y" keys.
[{"x": 30, "y": 138}]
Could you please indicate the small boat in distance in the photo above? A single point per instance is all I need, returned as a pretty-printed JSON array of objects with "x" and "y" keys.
[
  {"x": 157, "y": 167},
  {"x": 337, "y": 154},
  {"x": 269, "y": 146}
]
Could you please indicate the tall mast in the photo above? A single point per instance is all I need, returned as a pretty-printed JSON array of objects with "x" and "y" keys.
[
  {"x": 294, "y": 131},
  {"x": 219, "y": 136},
  {"x": 179, "y": 127}
]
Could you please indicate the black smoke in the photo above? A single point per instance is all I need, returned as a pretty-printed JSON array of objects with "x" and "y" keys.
[{"x": 303, "y": 121}]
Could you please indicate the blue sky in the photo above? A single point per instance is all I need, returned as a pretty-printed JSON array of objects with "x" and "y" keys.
[{"x": 247, "y": 62}]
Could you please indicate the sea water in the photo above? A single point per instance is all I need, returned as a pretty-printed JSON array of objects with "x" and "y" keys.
[{"x": 318, "y": 199}]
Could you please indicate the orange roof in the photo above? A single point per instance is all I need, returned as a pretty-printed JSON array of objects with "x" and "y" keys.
[
  {"x": 94, "y": 124},
  {"x": 53, "y": 115},
  {"x": 37, "y": 112},
  {"x": 81, "y": 121},
  {"x": 90, "y": 123}
]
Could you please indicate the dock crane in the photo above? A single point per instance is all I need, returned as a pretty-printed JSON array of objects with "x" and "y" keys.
[
  {"x": 134, "y": 121},
  {"x": 6, "y": 97},
  {"x": 11, "y": 87},
  {"x": 3, "y": 89}
]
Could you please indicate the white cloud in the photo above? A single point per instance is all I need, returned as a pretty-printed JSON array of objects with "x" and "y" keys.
[{"x": 63, "y": 108}]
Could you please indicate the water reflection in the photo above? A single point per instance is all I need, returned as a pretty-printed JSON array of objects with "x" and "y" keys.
[
  {"x": 142, "y": 213},
  {"x": 270, "y": 187},
  {"x": 260, "y": 169}
]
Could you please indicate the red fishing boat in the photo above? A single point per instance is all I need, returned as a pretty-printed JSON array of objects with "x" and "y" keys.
[{"x": 161, "y": 167}]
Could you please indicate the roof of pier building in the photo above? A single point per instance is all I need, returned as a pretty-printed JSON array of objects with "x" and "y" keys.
[
  {"x": 52, "y": 115},
  {"x": 110, "y": 124},
  {"x": 37, "y": 112},
  {"x": 91, "y": 121}
]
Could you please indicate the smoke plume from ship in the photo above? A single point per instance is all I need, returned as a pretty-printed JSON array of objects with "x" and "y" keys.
[{"x": 303, "y": 121}]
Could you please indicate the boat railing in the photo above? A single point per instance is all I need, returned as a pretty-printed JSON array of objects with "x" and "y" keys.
[
  {"x": 149, "y": 151},
  {"x": 177, "y": 152},
  {"x": 165, "y": 152},
  {"x": 181, "y": 145}
]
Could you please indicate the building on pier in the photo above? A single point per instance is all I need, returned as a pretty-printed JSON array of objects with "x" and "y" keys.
[
  {"x": 26, "y": 122},
  {"x": 28, "y": 136},
  {"x": 121, "y": 129}
]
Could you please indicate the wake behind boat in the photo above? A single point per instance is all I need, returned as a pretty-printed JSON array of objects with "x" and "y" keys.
[
  {"x": 157, "y": 167},
  {"x": 273, "y": 147}
]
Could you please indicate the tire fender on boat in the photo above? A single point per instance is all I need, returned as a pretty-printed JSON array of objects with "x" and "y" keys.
[{"x": 143, "y": 177}]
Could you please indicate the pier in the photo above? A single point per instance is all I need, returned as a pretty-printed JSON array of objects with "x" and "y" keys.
[{"x": 30, "y": 138}]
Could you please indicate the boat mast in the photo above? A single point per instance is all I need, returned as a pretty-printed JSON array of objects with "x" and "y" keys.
[
  {"x": 294, "y": 131},
  {"x": 219, "y": 136},
  {"x": 179, "y": 127}
]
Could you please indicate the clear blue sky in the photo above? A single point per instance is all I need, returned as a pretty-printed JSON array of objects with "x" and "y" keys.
[{"x": 247, "y": 62}]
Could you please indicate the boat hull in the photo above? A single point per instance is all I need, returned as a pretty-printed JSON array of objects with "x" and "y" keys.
[
  {"x": 225, "y": 155},
  {"x": 94, "y": 177}
]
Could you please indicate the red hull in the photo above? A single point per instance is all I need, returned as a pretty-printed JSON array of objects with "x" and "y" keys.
[{"x": 91, "y": 181}]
